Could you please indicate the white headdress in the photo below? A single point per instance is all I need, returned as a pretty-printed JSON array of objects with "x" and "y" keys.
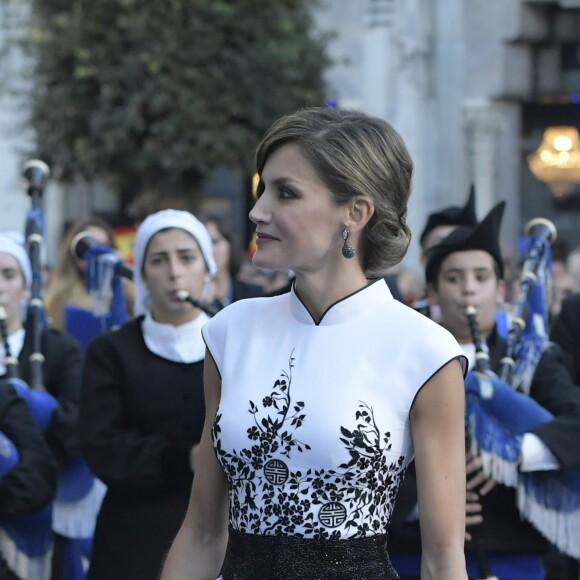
[{"x": 161, "y": 220}]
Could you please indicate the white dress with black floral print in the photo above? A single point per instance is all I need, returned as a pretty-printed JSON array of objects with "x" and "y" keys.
[{"x": 312, "y": 429}]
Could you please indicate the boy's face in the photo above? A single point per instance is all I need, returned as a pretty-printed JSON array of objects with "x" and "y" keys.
[{"x": 467, "y": 279}]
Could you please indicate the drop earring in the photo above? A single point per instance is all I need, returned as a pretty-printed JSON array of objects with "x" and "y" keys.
[{"x": 348, "y": 250}]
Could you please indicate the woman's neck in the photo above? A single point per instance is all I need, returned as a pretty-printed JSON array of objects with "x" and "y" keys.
[
  {"x": 175, "y": 319},
  {"x": 13, "y": 325},
  {"x": 319, "y": 293}
]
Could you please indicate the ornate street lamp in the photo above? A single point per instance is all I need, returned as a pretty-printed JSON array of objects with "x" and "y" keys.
[{"x": 557, "y": 160}]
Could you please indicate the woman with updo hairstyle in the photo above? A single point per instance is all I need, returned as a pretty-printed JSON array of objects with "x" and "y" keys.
[
  {"x": 318, "y": 399},
  {"x": 351, "y": 162}
]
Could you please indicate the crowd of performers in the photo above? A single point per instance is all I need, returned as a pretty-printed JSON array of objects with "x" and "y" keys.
[
  {"x": 102, "y": 440},
  {"x": 522, "y": 473},
  {"x": 98, "y": 453}
]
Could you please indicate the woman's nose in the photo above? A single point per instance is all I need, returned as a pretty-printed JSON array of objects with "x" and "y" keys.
[
  {"x": 260, "y": 213},
  {"x": 174, "y": 267}
]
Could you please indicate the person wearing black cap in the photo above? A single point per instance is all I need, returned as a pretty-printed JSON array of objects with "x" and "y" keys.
[
  {"x": 438, "y": 226},
  {"x": 466, "y": 269},
  {"x": 441, "y": 223}
]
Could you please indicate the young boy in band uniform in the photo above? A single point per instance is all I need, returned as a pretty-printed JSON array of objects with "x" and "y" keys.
[{"x": 466, "y": 269}]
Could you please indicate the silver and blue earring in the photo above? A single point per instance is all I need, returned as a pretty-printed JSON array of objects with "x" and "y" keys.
[{"x": 348, "y": 250}]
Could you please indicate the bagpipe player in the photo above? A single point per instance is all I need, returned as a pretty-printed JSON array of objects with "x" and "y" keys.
[
  {"x": 54, "y": 403},
  {"x": 466, "y": 269}
]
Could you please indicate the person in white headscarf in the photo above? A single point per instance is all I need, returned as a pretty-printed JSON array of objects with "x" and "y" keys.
[
  {"x": 142, "y": 407},
  {"x": 54, "y": 404}
]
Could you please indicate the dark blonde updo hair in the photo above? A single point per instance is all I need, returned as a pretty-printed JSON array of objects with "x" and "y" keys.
[{"x": 354, "y": 154}]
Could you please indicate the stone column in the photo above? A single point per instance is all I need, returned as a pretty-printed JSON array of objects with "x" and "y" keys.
[
  {"x": 482, "y": 125},
  {"x": 413, "y": 43},
  {"x": 378, "y": 91}
]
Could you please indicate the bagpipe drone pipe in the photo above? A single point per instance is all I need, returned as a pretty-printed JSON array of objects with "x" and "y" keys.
[{"x": 498, "y": 414}]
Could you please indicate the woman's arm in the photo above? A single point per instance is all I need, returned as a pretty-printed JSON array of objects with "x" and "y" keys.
[
  {"x": 199, "y": 548},
  {"x": 438, "y": 429}
]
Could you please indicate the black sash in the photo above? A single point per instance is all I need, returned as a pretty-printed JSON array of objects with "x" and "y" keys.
[{"x": 253, "y": 556}]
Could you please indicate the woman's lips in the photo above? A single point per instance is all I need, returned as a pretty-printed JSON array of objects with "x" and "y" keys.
[{"x": 264, "y": 238}]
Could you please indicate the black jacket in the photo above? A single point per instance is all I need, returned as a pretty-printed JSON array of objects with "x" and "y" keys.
[
  {"x": 566, "y": 332},
  {"x": 62, "y": 376},
  {"x": 31, "y": 483},
  {"x": 140, "y": 416}
]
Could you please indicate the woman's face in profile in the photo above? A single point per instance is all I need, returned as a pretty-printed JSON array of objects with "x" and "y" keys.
[{"x": 298, "y": 225}]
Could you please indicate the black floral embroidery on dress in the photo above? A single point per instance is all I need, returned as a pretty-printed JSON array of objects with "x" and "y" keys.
[{"x": 357, "y": 497}]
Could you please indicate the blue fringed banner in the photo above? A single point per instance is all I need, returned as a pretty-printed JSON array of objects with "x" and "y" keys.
[{"x": 497, "y": 417}]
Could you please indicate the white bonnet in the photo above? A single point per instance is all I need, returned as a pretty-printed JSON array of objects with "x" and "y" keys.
[
  {"x": 161, "y": 220},
  {"x": 12, "y": 242}
]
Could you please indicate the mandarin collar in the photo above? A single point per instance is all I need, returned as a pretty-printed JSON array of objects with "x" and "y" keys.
[{"x": 346, "y": 309}]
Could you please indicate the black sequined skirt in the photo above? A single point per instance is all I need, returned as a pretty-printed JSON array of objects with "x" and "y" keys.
[{"x": 255, "y": 557}]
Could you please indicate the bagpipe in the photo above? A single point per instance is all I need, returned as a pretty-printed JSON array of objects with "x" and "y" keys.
[
  {"x": 499, "y": 412},
  {"x": 482, "y": 365},
  {"x": 79, "y": 493},
  {"x": 26, "y": 542},
  {"x": 103, "y": 273}
]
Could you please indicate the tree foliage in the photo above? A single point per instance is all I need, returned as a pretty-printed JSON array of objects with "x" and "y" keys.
[{"x": 159, "y": 92}]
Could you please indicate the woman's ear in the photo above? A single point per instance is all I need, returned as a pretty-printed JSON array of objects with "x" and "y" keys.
[{"x": 360, "y": 211}]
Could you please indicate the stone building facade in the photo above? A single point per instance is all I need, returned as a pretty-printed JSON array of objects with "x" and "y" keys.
[{"x": 470, "y": 84}]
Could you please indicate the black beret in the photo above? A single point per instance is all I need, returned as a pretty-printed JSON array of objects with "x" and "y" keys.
[
  {"x": 452, "y": 216},
  {"x": 482, "y": 236}
]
